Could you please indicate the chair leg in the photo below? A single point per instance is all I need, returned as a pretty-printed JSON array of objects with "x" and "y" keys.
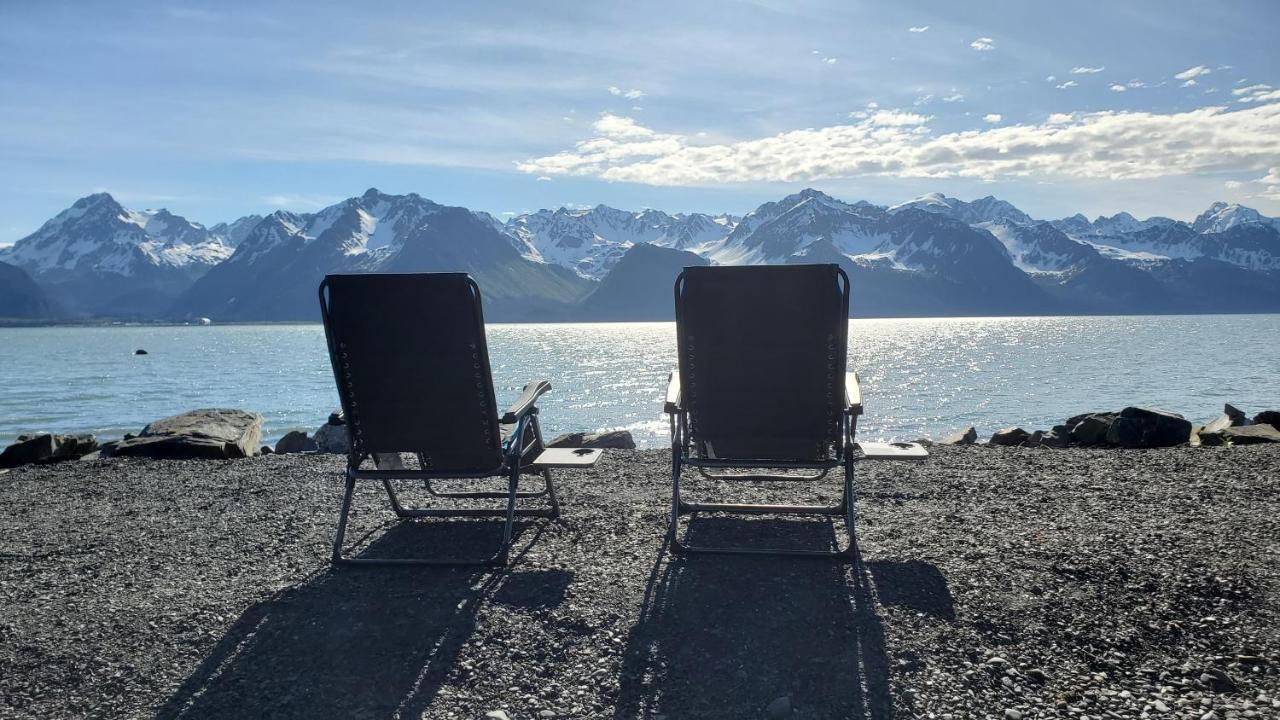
[
  {"x": 679, "y": 507},
  {"x": 342, "y": 518}
]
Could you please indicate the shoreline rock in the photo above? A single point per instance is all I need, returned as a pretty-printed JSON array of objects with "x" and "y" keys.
[
  {"x": 610, "y": 439},
  {"x": 211, "y": 434}
]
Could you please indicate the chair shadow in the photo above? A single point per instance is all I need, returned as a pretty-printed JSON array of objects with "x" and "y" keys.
[
  {"x": 355, "y": 641},
  {"x": 913, "y": 585},
  {"x": 722, "y": 633}
]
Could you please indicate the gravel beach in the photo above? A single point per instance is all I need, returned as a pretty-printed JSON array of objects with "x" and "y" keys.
[{"x": 994, "y": 582}]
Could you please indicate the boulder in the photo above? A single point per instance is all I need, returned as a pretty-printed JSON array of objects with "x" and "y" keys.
[
  {"x": 1268, "y": 417},
  {"x": 611, "y": 439},
  {"x": 1010, "y": 436},
  {"x": 337, "y": 418},
  {"x": 1035, "y": 439},
  {"x": 1237, "y": 416},
  {"x": 1211, "y": 439},
  {"x": 1251, "y": 434},
  {"x": 1055, "y": 439},
  {"x": 331, "y": 439},
  {"x": 968, "y": 436},
  {"x": 1091, "y": 429},
  {"x": 296, "y": 441},
  {"x": 139, "y": 351},
  {"x": 209, "y": 434},
  {"x": 1148, "y": 428},
  {"x": 1222, "y": 422},
  {"x": 46, "y": 447}
]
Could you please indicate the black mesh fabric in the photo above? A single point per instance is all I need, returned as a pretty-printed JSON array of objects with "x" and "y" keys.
[
  {"x": 412, "y": 367},
  {"x": 762, "y": 360}
]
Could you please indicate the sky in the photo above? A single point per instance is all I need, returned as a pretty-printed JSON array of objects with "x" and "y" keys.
[{"x": 220, "y": 110}]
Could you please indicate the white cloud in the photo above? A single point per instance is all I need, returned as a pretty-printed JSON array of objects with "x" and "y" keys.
[
  {"x": 1232, "y": 184},
  {"x": 894, "y": 143},
  {"x": 1135, "y": 83},
  {"x": 1118, "y": 88},
  {"x": 1085, "y": 70},
  {"x": 1051, "y": 78},
  {"x": 615, "y": 90},
  {"x": 953, "y": 98},
  {"x": 923, "y": 100},
  {"x": 982, "y": 43},
  {"x": 632, "y": 94},
  {"x": 829, "y": 60},
  {"x": 543, "y": 178},
  {"x": 1193, "y": 72},
  {"x": 918, "y": 28},
  {"x": 992, "y": 118},
  {"x": 1257, "y": 93},
  {"x": 1250, "y": 90},
  {"x": 1067, "y": 84}
]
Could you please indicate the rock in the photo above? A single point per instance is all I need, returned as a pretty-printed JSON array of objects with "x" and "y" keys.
[
  {"x": 1218, "y": 681},
  {"x": 46, "y": 447},
  {"x": 331, "y": 439},
  {"x": 497, "y": 715},
  {"x": 1009, "y": 436},
  {"x": 1160, "y": 706},
  {"x": 1012, "y": 714},
  {"x": 1035, "y": 439},
  {"x": 266, "y": 450},
  {"x": 1250, "y": 434},
  {"x": 1237, "y": 415},
  {"x": 212, "y": 434},
  {"x": 1055, "y": 439},
  {"x": 546, "y": 713},
  {"x": 968, "y": 436},
  {"x": 1091, "y": 429},
  {"x": 1148, "y": 428},
  {"x": 90, "y": 457},
  {"x": 1221, "y": 423},
  {"x": 1268, "y": 417},
  {"x": 296, "y": 441},
  {"x": 140, "y": 351},
  {"x": 337, "y": 418},
  {"x": 779, "y": 708},
  {"x": 612, "y": 439}
]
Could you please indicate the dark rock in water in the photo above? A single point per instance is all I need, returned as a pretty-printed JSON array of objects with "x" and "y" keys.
[
  {"x": 968, "y": 436},
  {"x": 198, "y": 434},
  {"x": 1251, "y": 434},
  {"x": 296, "y": 441},
  {"x": 337, "y": 418},
  {"x": 1092, "y": 429},
  {"x": 46, "y": 447},
  {"x": 1148, "y": 428},
  {"x": 331, "y": 439},
  {"x": 140, "y": 352},
  {"x": 1268, "y": 417},
  {"x": 1009, "y": 436},
  {"x": 1237, "y": 416},
  {"x": 611, "y": 439}
]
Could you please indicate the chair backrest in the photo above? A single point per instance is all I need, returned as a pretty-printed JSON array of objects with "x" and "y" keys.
[
  {"x": 762, "y": 360},
  {"x": 412, "y": 367}
]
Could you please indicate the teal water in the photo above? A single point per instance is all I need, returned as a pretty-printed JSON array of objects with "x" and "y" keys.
[{"x": 920, "y": 377}]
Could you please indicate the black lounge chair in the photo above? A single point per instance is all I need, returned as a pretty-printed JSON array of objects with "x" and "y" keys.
[
  {"x": 412, "y": 368},
  {"x": 762, "y": 385}
]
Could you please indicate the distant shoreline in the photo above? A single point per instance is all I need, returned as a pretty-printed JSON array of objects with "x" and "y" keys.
[{"x": 8, "y": 323}]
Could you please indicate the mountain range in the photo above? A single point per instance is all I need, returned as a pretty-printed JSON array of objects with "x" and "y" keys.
[{"x": 931, "y": 256}]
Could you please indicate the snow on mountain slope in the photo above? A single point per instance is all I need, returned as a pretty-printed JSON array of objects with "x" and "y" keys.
[
  {"x": 982, "y": 210},
  {"x": 233, "y": 232},
  {"x": 778, "y": 230},
  {"x": 591, "y": 241},
  {"x": 1038, "y": 247}
]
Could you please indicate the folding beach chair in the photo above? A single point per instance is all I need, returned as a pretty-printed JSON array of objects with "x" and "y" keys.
[
  {"x": 412, "y": 369},
  {"x": 762, "y": 385}
]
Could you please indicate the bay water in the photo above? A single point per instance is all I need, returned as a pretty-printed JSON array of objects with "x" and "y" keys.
[{"x": 920, "y": 377}]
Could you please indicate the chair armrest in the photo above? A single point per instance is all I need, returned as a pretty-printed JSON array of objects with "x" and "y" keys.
[
  {"x": 672, "y": 405},
  {"x": 852, "y": 393},
  {"x": 526, "y": 401}
]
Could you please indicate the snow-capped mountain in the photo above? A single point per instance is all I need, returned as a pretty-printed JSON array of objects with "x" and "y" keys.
[
  {"x": 591, "y": 241},
  {"x": 778, "y": 230},
  {"x": 1221, "y": 217},
  {"x": 233, "y": 232},
  {"x": 277, "y": 266},
  {"x": 99, "y": 235},
  {"x": 98, "y": 257}
]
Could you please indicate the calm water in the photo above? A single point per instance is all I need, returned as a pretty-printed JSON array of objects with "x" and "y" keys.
[{"x": 920, "y": 377}]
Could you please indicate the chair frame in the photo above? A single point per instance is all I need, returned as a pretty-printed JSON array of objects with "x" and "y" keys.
[
  {"x": 523, "y": 415},
  {"x": 682, "y": 455}
]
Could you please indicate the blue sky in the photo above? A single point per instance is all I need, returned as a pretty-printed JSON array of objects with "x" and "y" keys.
[{"x": 219, "y": 110}]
